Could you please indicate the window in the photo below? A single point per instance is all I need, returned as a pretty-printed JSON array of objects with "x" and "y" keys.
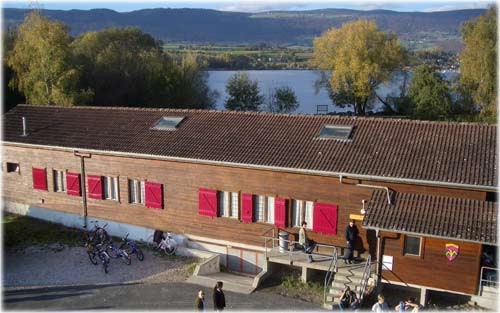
[
  {"x": 228, "y": 204},
  {"x": 168, "y": 123},
  {"x": 258, "y": 208},
  {"x": 335, "y": 132},
  {"x": 59, "y": 180},
  {"x": 136, "y": 191},
  {"x": 270, "y": 210},
  {"x": 412, "y": 245},
  {"x": 110, "y": 187},
  {"x": 302, "y": 211},
  {"x": 12, "y": 167}
]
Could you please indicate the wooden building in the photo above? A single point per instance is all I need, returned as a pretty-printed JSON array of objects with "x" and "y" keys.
[{"x": 224, "y": 179}]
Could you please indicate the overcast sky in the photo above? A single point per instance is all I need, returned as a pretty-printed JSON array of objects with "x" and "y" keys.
[{"x": 251, "y": 6}]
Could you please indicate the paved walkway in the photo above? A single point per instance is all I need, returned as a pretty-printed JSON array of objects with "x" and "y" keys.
[{"x": 140, "y": 296}]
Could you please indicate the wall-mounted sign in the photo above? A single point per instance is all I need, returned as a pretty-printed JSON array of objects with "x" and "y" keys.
[
  {"x": 356, "y": 217},
  {"x": 451, "y": 251},
  {"x": 387, "y": 262}
]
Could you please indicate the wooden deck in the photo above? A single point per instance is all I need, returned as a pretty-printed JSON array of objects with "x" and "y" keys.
[{"x": 299, "y": 258}]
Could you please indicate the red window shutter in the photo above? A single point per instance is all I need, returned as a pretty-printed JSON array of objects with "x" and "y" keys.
[
  {"x": 280, "y": 212},
  {"x": 73, "y": 184},
  {"x": 247, "y": 207},
  {"x": 40, "y": 179},
  {"x": 207, "y": 202},
  {"x": 325, "y": 218},
  {"x": 95, "y": 186},
  {"x": 154, "y": 195}
]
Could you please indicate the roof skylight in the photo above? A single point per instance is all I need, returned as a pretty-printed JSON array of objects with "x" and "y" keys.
[
  {"x": 168, "y": 123},
  {"x": 335, "y": 132}
]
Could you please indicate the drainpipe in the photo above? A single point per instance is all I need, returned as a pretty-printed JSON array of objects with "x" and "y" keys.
[
  {"x": 82, "y": 157},
  {"x": 379, "y": 258},
  {"x": 369, "y": 186}
]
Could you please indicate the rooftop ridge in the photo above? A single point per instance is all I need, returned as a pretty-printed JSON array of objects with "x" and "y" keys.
[{"x": 261, "y": 113}]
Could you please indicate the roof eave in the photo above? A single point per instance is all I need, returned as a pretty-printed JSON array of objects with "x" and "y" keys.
[{"x": 261, "y": 167}]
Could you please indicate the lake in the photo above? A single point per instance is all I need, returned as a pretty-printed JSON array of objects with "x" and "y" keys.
[{"x": 302, "y": 83}]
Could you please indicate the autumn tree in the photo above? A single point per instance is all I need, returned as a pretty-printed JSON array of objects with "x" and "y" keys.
[
  {"x": 41, "y": 60},
  {"x": 430, "y": 94},
  {"x": 282, "y": 100},
  {"x": 478, "y": 61},
  {"x": 243, "y": 93},
  {"x": 360, "y": 58}
]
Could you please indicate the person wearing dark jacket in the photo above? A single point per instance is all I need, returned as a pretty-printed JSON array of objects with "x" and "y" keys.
[
  {"x": 351, "y": 233},
  {"x": 219, "y": 298}
]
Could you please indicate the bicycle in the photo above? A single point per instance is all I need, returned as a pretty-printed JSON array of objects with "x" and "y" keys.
[
  {"x": 100, "y": 233},
  {"x": 103, "y": 256},
  {"x": 168, "y": 245},
  {"x": 115, "y": 253},
  {"x": 132, "y": 248}
]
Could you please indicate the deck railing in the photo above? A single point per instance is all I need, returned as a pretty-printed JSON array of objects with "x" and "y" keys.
[
  {"x": 332, "y": 269},
  {"x": 291, "y": 247},
  {"x": 364, "y": 279},
  {"x": 489, "y": 277}
]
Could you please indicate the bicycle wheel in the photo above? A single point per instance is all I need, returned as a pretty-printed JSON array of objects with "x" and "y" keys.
[
  {"x": 112, "y": 251},
  {"x": 92, "y": 257},
  {"x": 170, "y": 247},
  {"x": 104, "y": 260},
  {"x": 139, "y": 254},
  {"x": 126, "y": 258}
]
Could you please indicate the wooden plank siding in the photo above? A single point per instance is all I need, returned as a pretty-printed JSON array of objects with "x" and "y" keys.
[
  {"x": 182, "y": 180},
  {"x": 432, "y": 268}
]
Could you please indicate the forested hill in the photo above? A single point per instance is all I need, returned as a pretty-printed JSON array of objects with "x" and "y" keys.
[{"x": 277, "y": 27}]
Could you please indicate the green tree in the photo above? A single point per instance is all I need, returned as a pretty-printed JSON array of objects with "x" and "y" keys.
[
  {"x": 360, "y": 57},
  {"x": 243, "y": 93},
  {"x": 12, "y": 96},
  {"x": 42, "y": 63},
  {"x": 124, "y": 67},
  {"x": 430, "y": 94},
  {"x": 478, "y": 66},
  {"x": 282, "y": 100},
  {"x": 189, "y": 85}
]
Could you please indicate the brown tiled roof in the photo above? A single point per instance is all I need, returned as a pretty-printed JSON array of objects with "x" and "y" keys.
[
  {"x": 434, "y": 216},
  {"x": 460, "y": 153}
]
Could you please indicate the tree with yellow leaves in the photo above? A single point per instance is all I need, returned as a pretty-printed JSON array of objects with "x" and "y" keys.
[{"x": 360, "y": 58}]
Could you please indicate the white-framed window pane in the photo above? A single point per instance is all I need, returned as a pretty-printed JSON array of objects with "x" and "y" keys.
[
  {"x": 132, "y": 191},
  {"x": 270, "y": 210},
  {"x": 115, "y": 188},
  {"x": 110, "y": 188},
  {"x": 223, "y": 203},
  {"x": 234, "y": 204},
  {"x": 59, "y": 180},
  {"x": 258, "y": 208},
  {"x": 296, "y": 212},
  {"x": 412, "y": 245},
  {"x": 63, "y": 178},
  {"x": 142, "y": 193},
  {"x": 309, "y": 214}
]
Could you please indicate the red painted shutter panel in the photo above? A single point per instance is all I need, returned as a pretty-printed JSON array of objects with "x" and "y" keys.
[
  {"x": 95, "y": 186},
  {"x": 40, "y": 179},
  {"x": 247, "y": 207},
  {"x": 325, "y": 218},
  {"x": 207, "y": 202},
  {"x": 73, "y": 184},
  {"x": 154, "y": 195},
  {"x": 279, "y": 212}
]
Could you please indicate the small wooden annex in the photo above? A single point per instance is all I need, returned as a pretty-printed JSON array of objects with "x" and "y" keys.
[{"x": 225, "y": 178}]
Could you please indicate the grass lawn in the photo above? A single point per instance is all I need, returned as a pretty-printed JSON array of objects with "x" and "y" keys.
[{"x": 21, "y": 231}]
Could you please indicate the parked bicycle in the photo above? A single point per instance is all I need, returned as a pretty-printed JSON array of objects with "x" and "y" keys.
[
  {"x": 131, "y": 247},
  {"x": 103, "y": 256},
  {"x": 167, "y": 244},
  {"x": 115, "y": 252}
]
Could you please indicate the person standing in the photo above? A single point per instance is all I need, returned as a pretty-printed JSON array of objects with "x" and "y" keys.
[
  {"x": 381, "y": 305},
  {"x": 303, "y": 242},
  {"x": 351, "y": 233},
  {"x": 199, "y": 303},
  {"x": 219, "y": 298}
]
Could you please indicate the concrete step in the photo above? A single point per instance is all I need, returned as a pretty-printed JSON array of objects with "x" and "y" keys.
[
  {"x": 491, "y": 304},
  {"x": 490, "y": 289},
  {"x": 232, "y": 282}
]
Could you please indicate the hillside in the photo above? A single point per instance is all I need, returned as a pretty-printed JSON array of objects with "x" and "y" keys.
[{"x": 277, "y": 27}]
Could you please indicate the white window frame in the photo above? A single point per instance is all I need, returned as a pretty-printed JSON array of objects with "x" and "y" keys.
[
  {"x": 110, "y": 187},
  {"x": 270, "y": 210},
  {"x": 228, "y": 204},
  {"x": 59, "y": 177},
  {"x": 297, "y": 212},
  {"x": 309, "y": 213},
  {"x": 137, "y": 190},
  {"x": 259, "y": 208},
  {"x": 235, "y": 204}
]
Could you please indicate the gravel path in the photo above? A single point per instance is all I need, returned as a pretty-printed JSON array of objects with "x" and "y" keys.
[{"x": 71, "y": 266}]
